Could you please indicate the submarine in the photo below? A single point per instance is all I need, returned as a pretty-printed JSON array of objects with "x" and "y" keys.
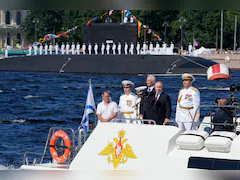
[{"x": 119, "y": 64}]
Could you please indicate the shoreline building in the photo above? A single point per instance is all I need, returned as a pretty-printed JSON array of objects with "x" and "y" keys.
[{"x": 10, "y": 31}]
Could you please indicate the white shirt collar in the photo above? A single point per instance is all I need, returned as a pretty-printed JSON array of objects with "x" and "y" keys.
[
  {"x": 151, "y": 88},
  {"x": 158, "y": 93}
]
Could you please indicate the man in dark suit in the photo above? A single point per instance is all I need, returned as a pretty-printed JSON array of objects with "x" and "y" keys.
[
  {"x": 160, "y": 106},
  {"x": 146, "y": 96}
]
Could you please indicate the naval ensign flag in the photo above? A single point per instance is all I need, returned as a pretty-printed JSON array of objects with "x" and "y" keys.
[{"x": 89, "y": 108}]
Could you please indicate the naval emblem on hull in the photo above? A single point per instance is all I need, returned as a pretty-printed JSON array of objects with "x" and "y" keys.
[{"x": 118, "y": 153}]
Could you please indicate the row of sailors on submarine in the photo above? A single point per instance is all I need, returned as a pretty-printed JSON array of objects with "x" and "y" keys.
[{"x": 105, "y": 49}]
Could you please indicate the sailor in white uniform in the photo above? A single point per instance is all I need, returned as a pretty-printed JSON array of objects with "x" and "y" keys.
[
  {"x": 84, "y": 48},
  {"x": 157, "y": 49},
  {"x": 131, "y": 48},
  {"x": 164, "y": 48},
  {"x": 62, "y": 48},
  {"x": 114, "y": 48},
  {"x": 46, "y": 49},
  {"x": 138, "y": 48},
  {"x": 126, "y": 48},
  {"x": 190, "y": 49},
  {"x": 67, "y": 48},
  {"x": 187, "y": 104},
  {"x": 56, "y": 48},
  {"x": 73, "y": 48},
  {"x": 151, "y": 48},
  {"x": 50, "y": 48},
  {"x": 35, "y": 49},
  {"x": 78, "y": 48},
  {"x": 139, "y": 91},
  {"x": 172, "y": 47},
  {"x": 89, "y": 48},
  {"x": 144, "y": 48},
  {"x": 108, "y": 48},
  {"x": 103, "y": 48},
  {"x": 8, "y": 48},
  {"x": 96, "y": 48},
  {"x": 41, "y": 49},
  {"x": 127, "y": 102},
  {"x": 119, "y": 48}
]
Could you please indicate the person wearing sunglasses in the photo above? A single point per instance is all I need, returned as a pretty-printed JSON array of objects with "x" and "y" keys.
[{"x": 187, "y": 104}]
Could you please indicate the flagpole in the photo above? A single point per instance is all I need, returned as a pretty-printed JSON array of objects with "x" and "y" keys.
[
  {"x": 95, "y": 116},
  {"x": 221, "y": 44},
  {"x": 193, "y": 41}
]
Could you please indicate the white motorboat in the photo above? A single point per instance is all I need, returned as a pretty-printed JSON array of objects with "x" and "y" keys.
[{"x": 142, "y": 147}]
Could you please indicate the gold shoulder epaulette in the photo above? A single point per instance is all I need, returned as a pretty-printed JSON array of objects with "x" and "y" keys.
[
  {"x": 133, "y": 94},
  {"x": 194, "y": 89}
]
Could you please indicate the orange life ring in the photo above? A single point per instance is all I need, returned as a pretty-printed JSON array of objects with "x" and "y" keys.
[{"x": 67, "y": 143}]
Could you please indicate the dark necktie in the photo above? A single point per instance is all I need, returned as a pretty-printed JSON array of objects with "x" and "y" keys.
[
  {"x": 149, "y": 89},
  {"x": 156, "y": 98}
]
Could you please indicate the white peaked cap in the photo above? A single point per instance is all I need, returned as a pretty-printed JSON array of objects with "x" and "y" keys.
[
  {"x": 127, "y": 83},
  {"x": 140, "y": 88},
  {"x": 188, "y": 77}
]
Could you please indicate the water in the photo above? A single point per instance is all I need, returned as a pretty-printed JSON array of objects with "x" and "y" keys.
[{"x": 31, "y": 103}]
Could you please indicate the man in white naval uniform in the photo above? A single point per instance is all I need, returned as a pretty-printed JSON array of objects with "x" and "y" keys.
[
  {"x": 144, "y": 48},
  {"x": 35, "y": 49},
  {"x": 172, "y": 47},
  {"x": 46, "y": 49},
  {"x": 84, "y": 48},
  {"x": 8, "y": 48},
  {"x": 164, "y": 48},
  {"x": 78, "y": 48},
  {"x": 73, "y": 48},
  {"x": 119, "y": 48},
  {"x": 29, "y": 50},
  {"x": 50, "y": 48},
  {"x": 41, "y": 49},
  {"x": 56, "y": 48},
  {"x": 187, "y": 104},
  {"x": 114, "y": 48},
  {"x": 126, "y": 48},
  {"x": 67, "y": 48},
  {"x": 157, "y": 49},
  {"x": 62, "y": 48},
  {"x": 103, "y": 48},
  {"x": 108, "y": 48},
  {"x": 138, "y": 48},
  {"x": 89, "y": 48},
  {"x": 131, "y": 48},
  {"x": 139, "y": 91},
  {"x": 190, "y": 49},
  {"x": 127, "y": 102},
  {"x": 151, "y": 48},
  {"x": 96, "y": 48}
]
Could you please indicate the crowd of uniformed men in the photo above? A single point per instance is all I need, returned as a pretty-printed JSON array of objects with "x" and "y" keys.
[
  {"x": 152, "y": 103},
  {"x": 108, "y": 48}
]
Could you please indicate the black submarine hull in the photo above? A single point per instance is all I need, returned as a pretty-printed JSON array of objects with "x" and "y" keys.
[{"x": 108, "y": 64}]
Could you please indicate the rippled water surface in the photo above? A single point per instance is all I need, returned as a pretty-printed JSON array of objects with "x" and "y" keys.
[{"x": 31, "y": 103}]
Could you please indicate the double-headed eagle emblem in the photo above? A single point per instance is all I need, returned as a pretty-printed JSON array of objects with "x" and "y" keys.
[{"x": 118, "y": 154}]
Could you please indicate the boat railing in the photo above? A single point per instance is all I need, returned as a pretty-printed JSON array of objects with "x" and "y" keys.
[
  {"x": 42, "y": 155},
  {"x": 140, "y": 121},
  {"x": 233, "y": 108}
]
